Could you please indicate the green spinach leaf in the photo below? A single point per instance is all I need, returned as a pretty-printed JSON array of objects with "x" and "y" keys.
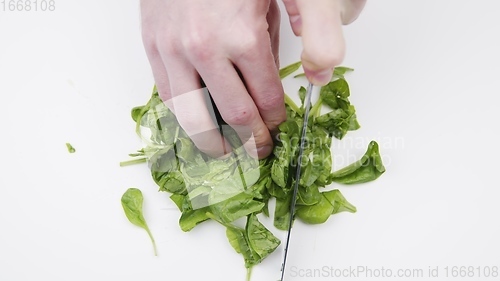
[
  {"x": 238, "y": 186},
  {"x": 285, "y": 71},
  {"x": 70, "y": 148},
  {"x": 332, "y": 202},
  {"x": 132, "y": 205},
  {"x": 342, "y": 118},
  {"x": 366, "y": 169}
]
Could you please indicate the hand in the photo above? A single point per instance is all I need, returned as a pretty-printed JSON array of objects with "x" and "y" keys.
[
  {"x": 319, "y": 23},
  {"x": 232, "y": 45}
]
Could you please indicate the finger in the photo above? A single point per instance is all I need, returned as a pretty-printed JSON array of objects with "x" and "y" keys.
[
  {"x": 160, "y": 74},
  {"x": 322, "y": 38},
  {"x": 293, "y": 16},
  {"x": 191, "y": 103},
  {"x": 162, "y": 83},
  {"x": 149, "y": 18},
  {"x": 236, "y": 106},
  {"x": 351, "y": 10},
  {"x": 263, "y": 83},
  {"x": 274, "y": 20}
]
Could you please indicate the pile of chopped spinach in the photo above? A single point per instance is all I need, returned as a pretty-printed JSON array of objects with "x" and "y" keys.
[{"x": 239, "y": 187}]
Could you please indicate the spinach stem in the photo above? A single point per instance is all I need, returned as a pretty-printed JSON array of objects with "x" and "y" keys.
[
  {"x": 249, "y": 273},
  {"x": 315, "y": 110},
  {"x": 152, "y": 241},
  {"x": 292, "y": 104},
  {"x": 133, "y": 162}
]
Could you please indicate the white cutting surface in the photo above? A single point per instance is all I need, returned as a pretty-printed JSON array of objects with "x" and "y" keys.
[{"x": 426, "y": 86}]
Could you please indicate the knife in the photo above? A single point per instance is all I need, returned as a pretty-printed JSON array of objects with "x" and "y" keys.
[{"x": 297, "y": 174}]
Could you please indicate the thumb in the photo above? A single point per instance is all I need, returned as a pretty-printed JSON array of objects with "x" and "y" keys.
[{"x": 322, "y": 38}]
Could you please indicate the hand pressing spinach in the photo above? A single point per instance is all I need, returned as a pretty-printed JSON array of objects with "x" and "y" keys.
[{"x": 239, "y": 186}]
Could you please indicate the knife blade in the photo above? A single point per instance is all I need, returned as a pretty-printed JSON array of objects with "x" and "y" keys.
[{"x": 307, "y": 106}]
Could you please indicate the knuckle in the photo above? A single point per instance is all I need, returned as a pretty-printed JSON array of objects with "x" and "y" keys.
[
  {"x": 271, "y": 102},
  {"x": 149, "y": 41},
  {"x": 249, "y": 44},
  {"x": 167, "y": 44},
  {"x": 239, "y": 116},
  {"x": 247, "y": 48},
  {"x": 198, "y": 46},
  {"x": 168, "y": 48},
  {"x": 189, "y": 123},
  {"x": 164, "y": 94}
]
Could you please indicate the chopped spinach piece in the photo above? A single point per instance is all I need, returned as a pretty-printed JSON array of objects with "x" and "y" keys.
[
  {"x": 366, "y": 169},
  {"x": 70, "y": 148},
  {"x": 285, "y": 71},
  {"x": 132, "y": 205}
]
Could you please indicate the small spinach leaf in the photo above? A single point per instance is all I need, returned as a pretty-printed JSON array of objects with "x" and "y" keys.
[
  {"x": 132, "y": 205},
  {"x": 338, "y": 201},
  {"x": 262, "y": 241},
  {"x": 342, "y": 118},
  {"x": 70, "y": 148},
  {"x": 191, "y": 218},
  {"x": 236, "y": 207},
  {"x": 287, "y": 70},
  {"x": 317, "y": 213},
  {"x": 366, "y": 169},
  {"x": 332, "y": 202},
  {"x": 282, "y": 212},
  {"x": 302, "y": 95}
]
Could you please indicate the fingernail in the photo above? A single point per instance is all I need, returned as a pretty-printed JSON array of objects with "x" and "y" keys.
[
  {"x": 322, "y": 78},
  {"x": 225, "y": 156},
  {"x": 264, "y": 151},
  {"x": 261, "y": 152}
]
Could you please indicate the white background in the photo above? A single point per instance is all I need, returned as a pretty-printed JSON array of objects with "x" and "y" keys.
[{"x": 425, "y": 85}]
